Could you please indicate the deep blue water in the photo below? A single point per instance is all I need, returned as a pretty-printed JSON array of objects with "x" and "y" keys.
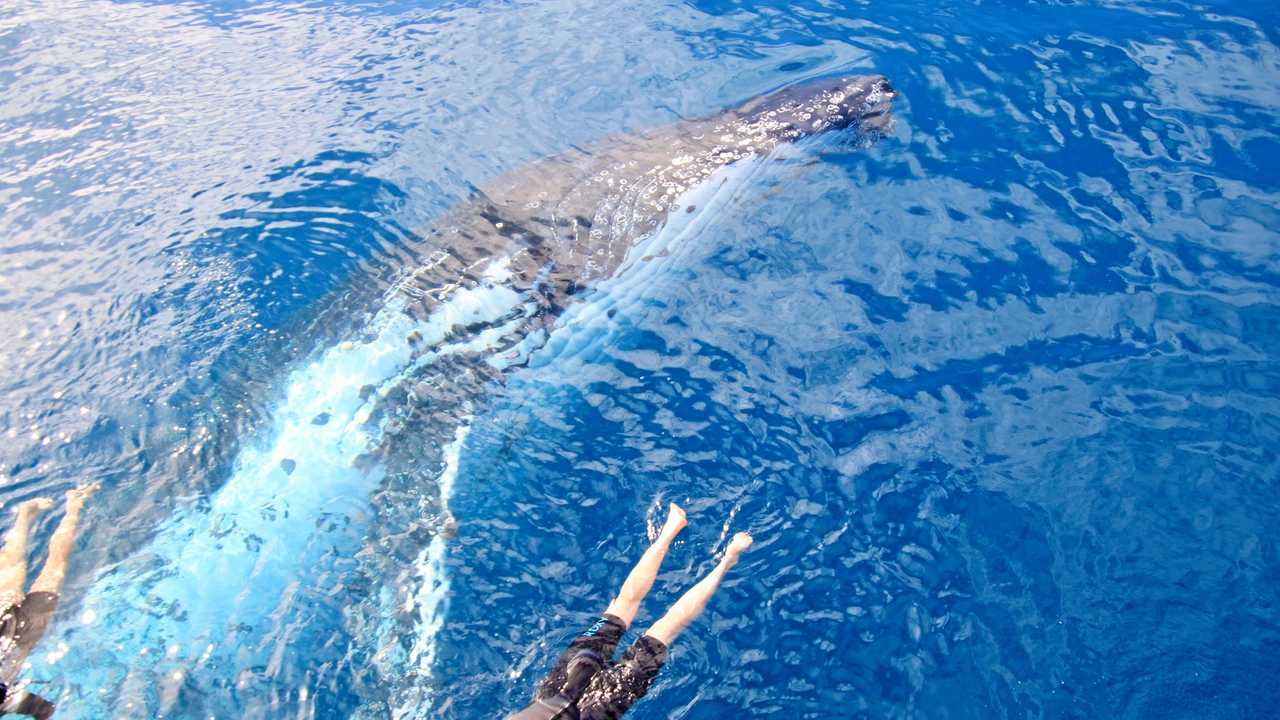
[{"x": 998, "y": 396}]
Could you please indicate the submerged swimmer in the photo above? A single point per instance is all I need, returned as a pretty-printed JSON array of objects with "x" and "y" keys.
[
  {"x": 24, "y": 616},
  {"x": 583, "y": 684}
]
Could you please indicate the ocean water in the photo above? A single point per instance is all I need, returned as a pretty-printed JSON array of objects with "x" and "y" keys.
[{"x": 997, "y": 395}]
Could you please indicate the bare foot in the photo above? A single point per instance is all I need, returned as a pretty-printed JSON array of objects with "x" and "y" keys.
[
  {"x": 77, "y": 496},
  {"x": 29, "y": 508},
  {"x": 676, "y": 521},
  {"x": 737, "y": 546}
]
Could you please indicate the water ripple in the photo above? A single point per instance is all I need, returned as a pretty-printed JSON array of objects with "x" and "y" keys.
[{"x": 998, "y": 396}]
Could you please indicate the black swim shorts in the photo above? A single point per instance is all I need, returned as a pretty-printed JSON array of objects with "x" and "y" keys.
[
  {"x": 612, "y": 688},
  {"x": 21, "y": 627}
]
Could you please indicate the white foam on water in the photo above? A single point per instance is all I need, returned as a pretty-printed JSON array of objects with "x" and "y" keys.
[{"x": 170, "y": 611}]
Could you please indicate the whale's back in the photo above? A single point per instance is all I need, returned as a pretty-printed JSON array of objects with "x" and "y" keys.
[{"x": 568, "y": 220}]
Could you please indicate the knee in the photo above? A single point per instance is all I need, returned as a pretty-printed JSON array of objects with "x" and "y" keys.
[
  {"x": 627, "y": 603},
  {"x": 623, "y": 609}
]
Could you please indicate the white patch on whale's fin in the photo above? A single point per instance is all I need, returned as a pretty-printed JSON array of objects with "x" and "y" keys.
[{"x": 427, "y": 604}]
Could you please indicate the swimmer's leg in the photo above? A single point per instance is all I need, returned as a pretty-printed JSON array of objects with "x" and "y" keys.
[
  {"x": 62, "y": 542},
  {"x": 691, "y": 604},
  {"x": 638, "y": 582},
  {"x": 600, "y": 640},
  {"x": 614, "y": 690},
  {"x": 13, "y": 556}
]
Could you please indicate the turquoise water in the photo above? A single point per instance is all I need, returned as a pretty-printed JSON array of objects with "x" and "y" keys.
[{"x": 996, "y": 395}]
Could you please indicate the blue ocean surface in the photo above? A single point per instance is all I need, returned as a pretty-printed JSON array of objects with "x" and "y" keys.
[{"x": 998, "y": 395}]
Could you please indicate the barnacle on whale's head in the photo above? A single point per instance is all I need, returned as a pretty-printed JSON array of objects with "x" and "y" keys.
[{"x": 861, "y": 102}]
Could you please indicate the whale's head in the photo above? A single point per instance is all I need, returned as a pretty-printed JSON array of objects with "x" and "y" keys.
[{"x": 860, "y": 102}]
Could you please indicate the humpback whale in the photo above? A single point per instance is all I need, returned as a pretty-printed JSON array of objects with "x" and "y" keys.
[
  {"x": 570, "y": 219},
  {"x": 204, "y": 620}
]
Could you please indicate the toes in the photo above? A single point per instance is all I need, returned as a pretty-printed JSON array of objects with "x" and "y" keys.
[
  {"x": 34, "y": 505},
  {"x": 84, "y": 491}
]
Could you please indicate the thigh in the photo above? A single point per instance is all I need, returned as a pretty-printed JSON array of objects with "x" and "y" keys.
[
  {"x": 601, "y": 639},
  {"x": 11, "y": 583},
  {"x": 614, "y": 690}
]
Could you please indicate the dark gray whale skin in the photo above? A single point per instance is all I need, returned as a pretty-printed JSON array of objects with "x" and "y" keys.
[{"x": 569, "y": 220}]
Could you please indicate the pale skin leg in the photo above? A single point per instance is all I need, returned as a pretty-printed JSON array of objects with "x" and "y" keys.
[
  {"x": 13, "y": 556},
  {"x": 691, "y": 604},
  {"x": 60, "y": 545},
  {"x": 637, "y": 585}
]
